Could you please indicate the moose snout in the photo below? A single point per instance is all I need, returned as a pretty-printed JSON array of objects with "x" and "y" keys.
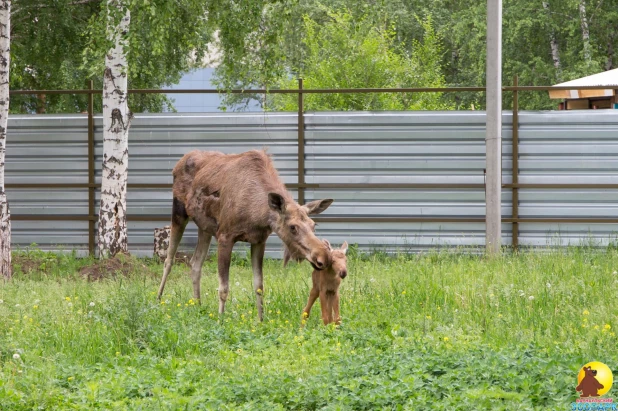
[
  {"x": 343, "y": 274},
  {"x": 320, "y": 260},
  {"x": 319, "y": 263}
]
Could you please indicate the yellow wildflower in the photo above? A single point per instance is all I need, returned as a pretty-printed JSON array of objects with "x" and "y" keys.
[
  {"x": 259, "y": 291},
  {"x": 305, "y": 314},
  {"x": 35, "y": 307},
  {"x": 211, "y": 315},
  {"x": 403, "y": 292},
  {"x": 445, "y": 339},
  {"x": 70, "y": 378},
  {"x": 67, "y": 298},
  {"x": 428, "y": 317},
  {"x": 596, "y": 327},
  {"x": 586, "y": 312},
  {"x": 607, "y": 326}
]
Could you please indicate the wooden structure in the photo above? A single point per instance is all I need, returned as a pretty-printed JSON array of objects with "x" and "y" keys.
[{"x": 585, "y": 99}]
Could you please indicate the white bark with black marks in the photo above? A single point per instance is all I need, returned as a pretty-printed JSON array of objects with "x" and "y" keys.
[
  {"x": 555, "y": 52},
  {"x": 585, "y": 30},
  {"x": 5, "y": 213},
  {"x": 116, "y": 121}
]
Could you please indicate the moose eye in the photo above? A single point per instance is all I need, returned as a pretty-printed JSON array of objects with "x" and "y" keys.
[{"x": 293, "y": 229}]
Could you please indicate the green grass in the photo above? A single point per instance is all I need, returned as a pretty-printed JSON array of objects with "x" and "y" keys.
[{"x": 434, "y": 331}]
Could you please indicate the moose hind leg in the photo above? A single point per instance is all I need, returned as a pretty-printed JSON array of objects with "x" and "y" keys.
[
  {"x": 179, "y": 222},
  {"x": 201, "y": 252}
]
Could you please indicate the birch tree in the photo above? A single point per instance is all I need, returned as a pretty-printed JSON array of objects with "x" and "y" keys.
[
  {"x": 116, "y": 121},
  {"x": 585, "y": 30},
  {"x": 5, "y": 216},
  {"x": 555, "y": 53}
]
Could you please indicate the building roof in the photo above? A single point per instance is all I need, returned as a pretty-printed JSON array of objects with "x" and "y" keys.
[{"x": 604, "y": 79}]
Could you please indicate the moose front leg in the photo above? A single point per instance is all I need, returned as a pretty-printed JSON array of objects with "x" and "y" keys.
[
  {"x": 224, "y": 251},
  {"x": 257, "y": 260}
]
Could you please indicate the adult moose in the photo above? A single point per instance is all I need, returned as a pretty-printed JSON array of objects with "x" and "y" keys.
[{"x": 239, "y": 197}]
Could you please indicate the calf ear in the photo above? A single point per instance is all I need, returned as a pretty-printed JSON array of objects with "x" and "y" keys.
[
  {"x": 327, "y": 244},
  {"x": 276, "y": 202},
  {"x": 317, "y": 206},
  {"x": 344, "y": 247}
]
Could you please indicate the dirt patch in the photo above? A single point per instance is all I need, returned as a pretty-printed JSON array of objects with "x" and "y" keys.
[
  {"x": 27, "y": 264},
  {"x": 123, "y": 265}
]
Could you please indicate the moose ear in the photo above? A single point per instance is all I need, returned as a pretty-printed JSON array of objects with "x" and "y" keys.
[
  {"x": 344, "y": 247},
  {"x": 276, "y": 202},
  {"x": 317, "y": 206}
]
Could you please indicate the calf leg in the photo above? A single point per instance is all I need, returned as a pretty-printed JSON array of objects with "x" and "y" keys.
[
  {"x": 337, "y": 318},
  {"x": 224, "y": 251},
  {"x": 327, "y": 307},
  {"x": 257, "y": 260},
  {"x": 201, "y": 252},
  {"x": 313, "y": 295},
  {"x": 179, "y": 222}
]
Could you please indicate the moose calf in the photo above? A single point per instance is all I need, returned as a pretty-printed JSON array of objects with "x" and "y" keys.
[{"x": 326, "y": 285}]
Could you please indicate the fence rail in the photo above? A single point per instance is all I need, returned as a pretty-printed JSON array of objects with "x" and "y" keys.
[{"x": 301, "y": 184}]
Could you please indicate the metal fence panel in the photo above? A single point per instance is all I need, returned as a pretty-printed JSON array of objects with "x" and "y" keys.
[{"x": 345, "y": 147}]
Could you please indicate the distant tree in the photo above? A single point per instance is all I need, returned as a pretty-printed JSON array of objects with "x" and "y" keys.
[
  {"x": 348, "y": 52},
  {"x": 59, "y": 44}
]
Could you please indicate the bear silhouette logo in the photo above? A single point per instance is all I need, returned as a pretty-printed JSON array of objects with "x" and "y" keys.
[
  {"x": 589, "y": 386},
  {"x": 594, "y": 380}
]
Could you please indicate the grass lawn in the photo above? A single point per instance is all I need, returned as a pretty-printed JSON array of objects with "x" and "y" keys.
[{"x": 435, "y": 331}]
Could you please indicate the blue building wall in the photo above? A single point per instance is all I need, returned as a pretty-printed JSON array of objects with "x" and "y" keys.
[{"x": 199, "y": 103}]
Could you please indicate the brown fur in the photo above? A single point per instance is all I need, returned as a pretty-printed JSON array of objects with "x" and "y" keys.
[
  {"x": 326, "y": 286},
  {"x": 239, "y": 197}
]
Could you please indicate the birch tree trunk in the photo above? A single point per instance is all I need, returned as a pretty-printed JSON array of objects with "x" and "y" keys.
[
  {"x": 5, "y": 213},
  {"x": 555, "y": 53},
  {"x": 585, "y": 30},
  {"x": 116, "y": 120}
]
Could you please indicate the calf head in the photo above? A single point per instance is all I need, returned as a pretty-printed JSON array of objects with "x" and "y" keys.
[
  {"x": 297, "y": 230},
  {"x": 339, "y": 262}
]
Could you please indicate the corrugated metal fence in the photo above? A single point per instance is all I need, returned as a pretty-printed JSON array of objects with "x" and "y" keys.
[{"x": 555, "y": 148}]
